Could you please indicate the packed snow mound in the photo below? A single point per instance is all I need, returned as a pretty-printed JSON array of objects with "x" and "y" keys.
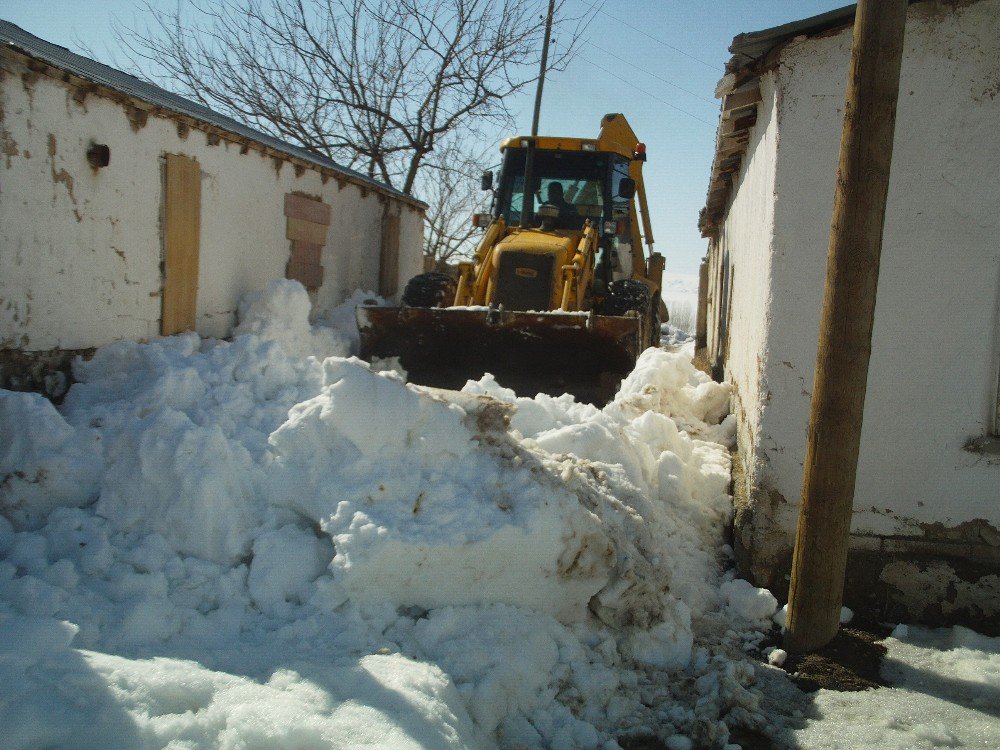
[
  {"x": 418, "y": 513},
  {"x": 241, "y": 529},
  {"x": 44, "y": 462},
  {"x": 667, "y": 383},
  {"x": 280, "y": 313},
  {"x": 428, "y": 503},
  {"x": 670, "y": 488}
]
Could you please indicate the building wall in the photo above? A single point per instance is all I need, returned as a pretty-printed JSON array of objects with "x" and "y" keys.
[
  {"x": 81, "y": 248},
  {"x": 740, "y": 311},
  {"x": 932, "y": 388}
]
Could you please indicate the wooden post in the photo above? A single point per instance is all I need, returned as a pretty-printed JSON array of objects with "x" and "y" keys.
[{"x": 820, "y": 558}]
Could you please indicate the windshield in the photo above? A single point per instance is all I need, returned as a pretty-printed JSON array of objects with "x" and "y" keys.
[{"x": 572, "y": 181}]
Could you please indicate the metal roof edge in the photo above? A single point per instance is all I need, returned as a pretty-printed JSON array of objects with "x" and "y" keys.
[
  {"x": 765, "y": 40},
  {"x": 14, "y": 37},
  {"x": 754, "y": 52}
]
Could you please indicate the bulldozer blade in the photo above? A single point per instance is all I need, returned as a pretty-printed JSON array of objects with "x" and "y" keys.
[{"x": 581, "y": 354}]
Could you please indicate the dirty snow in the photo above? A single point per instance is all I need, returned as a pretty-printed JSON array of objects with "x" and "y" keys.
[{"x": 263, "y": 543}]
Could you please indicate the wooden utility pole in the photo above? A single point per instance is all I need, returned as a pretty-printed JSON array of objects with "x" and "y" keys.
[
  {"x": 529, "y": 155},
  {"x": 544, "y": 65},
  {"x": 845, "y": 333}
]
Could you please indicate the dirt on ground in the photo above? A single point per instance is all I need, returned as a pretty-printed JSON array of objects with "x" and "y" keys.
[{"x": 850, "y": 662}]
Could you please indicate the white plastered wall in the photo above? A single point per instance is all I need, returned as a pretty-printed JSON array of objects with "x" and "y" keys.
[
  {"x": 80, "y": 249},
  {"x": 744, "y": 247},
  {"x": 933, "y": 381}
]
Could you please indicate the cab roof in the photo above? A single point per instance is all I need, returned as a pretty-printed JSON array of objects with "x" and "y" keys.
[
  {"x": 616, "y": 137},
  {"x": 557, "y": 143}
]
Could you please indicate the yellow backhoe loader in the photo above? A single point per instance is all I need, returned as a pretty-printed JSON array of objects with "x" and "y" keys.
[{"x": 560, "y": 295}]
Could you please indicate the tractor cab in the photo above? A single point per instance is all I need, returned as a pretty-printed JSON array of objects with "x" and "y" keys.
[
  {"x": 585, "y": 184},
  {"x": 572, "y": 183}
]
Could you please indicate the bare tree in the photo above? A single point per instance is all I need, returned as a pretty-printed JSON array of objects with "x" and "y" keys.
[
  {"x": 682, "y": 315},
  {"x": 373, "y": 84},
  {"x": 450, "y": 185}
]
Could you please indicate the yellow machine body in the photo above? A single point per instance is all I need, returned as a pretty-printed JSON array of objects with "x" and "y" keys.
[{"x": 538, "y": 304}]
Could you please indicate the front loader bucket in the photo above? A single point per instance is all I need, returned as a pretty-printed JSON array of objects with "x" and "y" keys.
[{"x": 578, "y": 353}]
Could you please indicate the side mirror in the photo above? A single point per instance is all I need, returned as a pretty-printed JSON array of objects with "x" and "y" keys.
[
  {"x": 626, "y": 187},
  {"x": 486, "y": 181}
]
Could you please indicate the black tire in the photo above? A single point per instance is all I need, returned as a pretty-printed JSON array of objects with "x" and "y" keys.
[
  {"x": 625, "y": 295},
  {"x": 630, "y": 295},
  {"x": 430, "y": 290}
]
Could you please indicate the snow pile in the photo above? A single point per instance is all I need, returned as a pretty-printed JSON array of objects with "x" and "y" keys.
[
  {"x": 668, "y": 491},
  {"x": 184, "y": 434},
  {"x": 280, "y": 313},
  {"x": 238, "y": 544},
  {"x": 667, "y": 383},
  {"x": 673, "y": 337},
  {"x": 747, "y": 601},
  {"x": 342, "y": 317},
  {"x": 425, "y": 510},
  {"x": 44, "y": 462}
]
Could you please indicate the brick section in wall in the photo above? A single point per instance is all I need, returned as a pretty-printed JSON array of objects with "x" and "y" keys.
[
  {"x": 308, "y": 209},
  {"x": 307, "y": 220}
]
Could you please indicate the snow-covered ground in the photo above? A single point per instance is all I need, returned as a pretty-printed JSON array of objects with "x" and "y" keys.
[
  {"x": 262, "y": 543},
  {"x": 680, "y": 292},
  {"x": 945, "y": 693},
  {"x": 680, "y": 288}
]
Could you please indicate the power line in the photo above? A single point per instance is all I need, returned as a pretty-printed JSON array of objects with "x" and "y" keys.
[
  {"x": 594, "y": 5},
  {"x": 649, "y": 72},
  {"x": 655, "y": 39},
  {"x": 647, "y": 93}
]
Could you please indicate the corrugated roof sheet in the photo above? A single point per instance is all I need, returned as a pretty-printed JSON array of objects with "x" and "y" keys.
[{"x": 15, "y": 37}]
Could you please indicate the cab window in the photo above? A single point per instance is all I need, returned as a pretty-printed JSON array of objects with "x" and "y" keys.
[
  {"x": 620, "y": 207},
  {"x": 573, "y": 181}
]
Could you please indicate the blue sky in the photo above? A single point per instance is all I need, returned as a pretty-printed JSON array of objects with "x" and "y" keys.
[{"x": 657, "y": 61}]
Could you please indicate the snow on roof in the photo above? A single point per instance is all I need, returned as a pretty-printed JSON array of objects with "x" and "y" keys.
[{"x": 13, "y": 37}]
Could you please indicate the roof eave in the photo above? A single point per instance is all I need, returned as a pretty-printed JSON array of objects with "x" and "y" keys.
[
  {"x": 17, "y": 40},
  {"x": 753, "y": 53}
]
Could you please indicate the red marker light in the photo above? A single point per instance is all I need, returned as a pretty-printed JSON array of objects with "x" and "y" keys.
[{"x": 640, "y": 152}]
